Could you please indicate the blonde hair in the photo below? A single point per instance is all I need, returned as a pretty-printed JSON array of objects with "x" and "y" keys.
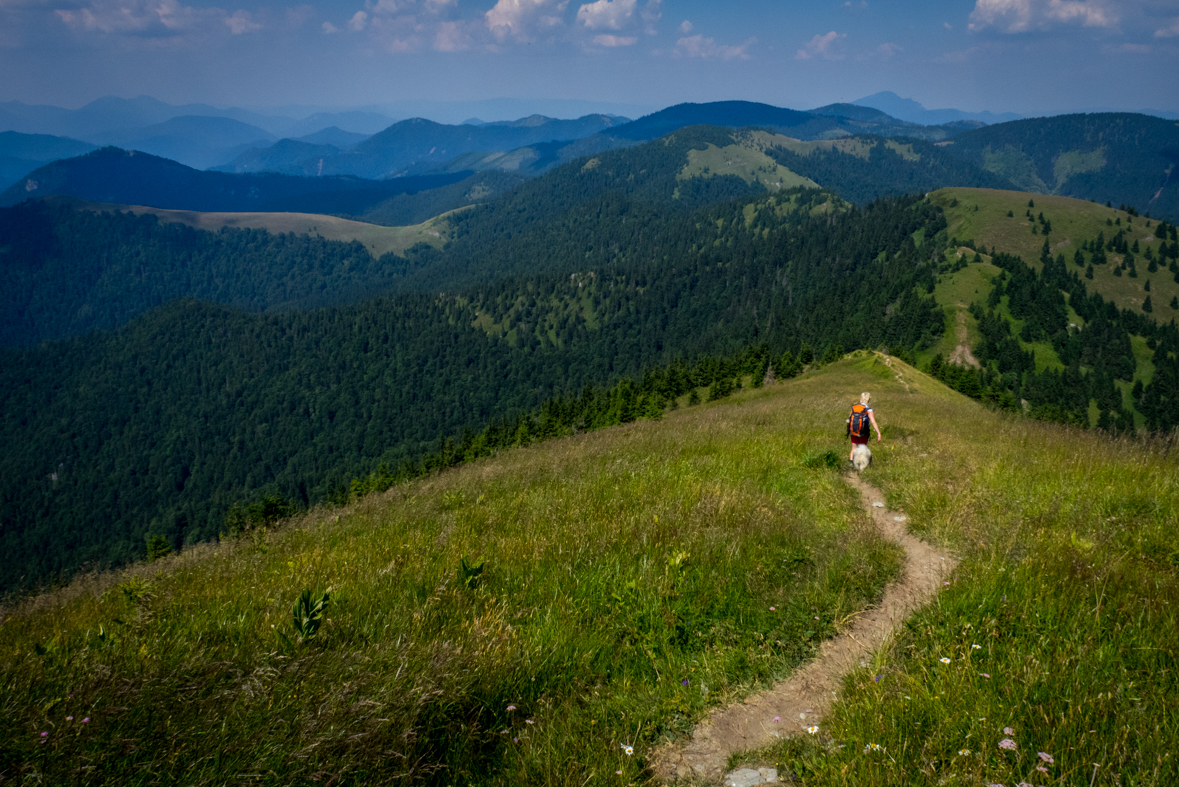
[{"x": 864, "y": 397}]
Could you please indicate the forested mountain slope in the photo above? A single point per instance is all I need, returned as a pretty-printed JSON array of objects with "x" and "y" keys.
[
  {"x": 71, "y": 269},
  {"x": 163, "y": 424},
  {"x": 1121, "y": 158}
]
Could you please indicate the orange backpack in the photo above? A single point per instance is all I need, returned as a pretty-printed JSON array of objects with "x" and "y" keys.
[{"x": 858, "y": 423}]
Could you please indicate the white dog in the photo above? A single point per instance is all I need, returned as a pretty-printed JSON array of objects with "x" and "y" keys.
[{"x": 861, "y": 457}]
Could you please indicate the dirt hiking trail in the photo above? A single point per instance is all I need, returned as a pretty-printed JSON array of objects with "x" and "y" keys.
[{"x": 802, "y": 700}]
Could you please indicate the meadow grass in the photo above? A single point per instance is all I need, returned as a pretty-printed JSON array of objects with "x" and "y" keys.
[
  {"x": 751, "y": 165},
  {"x": 630, "y": 579},
  {"x": 378, "y": 239},
  {"x": 1058, "y": 631},
  {"x": 1074, "y": 221}
]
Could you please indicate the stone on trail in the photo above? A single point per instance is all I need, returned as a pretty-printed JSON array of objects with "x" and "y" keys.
[
  {"x": 747, "y": 777},
  {"x": 878, "y": 505}
]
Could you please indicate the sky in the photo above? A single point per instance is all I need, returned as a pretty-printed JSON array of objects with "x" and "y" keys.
[{"x": 1024, "y": 56}]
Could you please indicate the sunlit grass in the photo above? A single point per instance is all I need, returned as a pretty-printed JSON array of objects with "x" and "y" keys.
[
  {"x": 1059, "y": 625},
  {"x": 632, "y": 578}
]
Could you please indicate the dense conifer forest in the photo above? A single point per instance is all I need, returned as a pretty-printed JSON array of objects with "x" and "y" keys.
[{"x": 163, "y": 424}]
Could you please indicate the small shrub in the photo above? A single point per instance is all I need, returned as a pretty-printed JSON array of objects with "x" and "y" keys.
[
  {"x": 468, "y": 573},
  {"x": 308, "y": 614},
  {"x": 157, "y": 547}
]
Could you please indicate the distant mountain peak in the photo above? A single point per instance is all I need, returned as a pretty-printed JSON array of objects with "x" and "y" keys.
[{"x": 913, "y": 111}]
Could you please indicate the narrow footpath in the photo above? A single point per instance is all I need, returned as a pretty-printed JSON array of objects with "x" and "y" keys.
[{"x": 805, "y": 697}]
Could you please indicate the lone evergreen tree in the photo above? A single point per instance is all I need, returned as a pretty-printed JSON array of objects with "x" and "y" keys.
[{"x": 1146, "y": 307}]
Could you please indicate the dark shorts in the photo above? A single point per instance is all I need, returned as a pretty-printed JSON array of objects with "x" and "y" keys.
[{"x": 857, "y": 440}]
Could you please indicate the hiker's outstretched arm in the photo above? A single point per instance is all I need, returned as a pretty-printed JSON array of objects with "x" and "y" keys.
[{"x": 876, "y": 426}]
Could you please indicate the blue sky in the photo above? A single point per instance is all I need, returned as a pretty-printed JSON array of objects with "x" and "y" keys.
[{"x": 1026, "y": 56}]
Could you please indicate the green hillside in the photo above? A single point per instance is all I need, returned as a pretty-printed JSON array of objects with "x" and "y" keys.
[
  {"x": 981, "y": 215},
  {"x": 1094, "y": 245},
  {"x": 74, "y": 268},
  {"x": 164, "y": 424},
  {"x": 378, "y": 240},
  {"x": 550, "y": 615},
  {"x": 1123, "y": 158}
]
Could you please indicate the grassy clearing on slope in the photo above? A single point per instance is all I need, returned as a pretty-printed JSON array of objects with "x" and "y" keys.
[
  {"x": 752, "y": 166},
  {"x": 379, "y": 240},
  {"x": 1074, "y": 221},
  {"x": 631, "y": 579},
  {"x": 1058, "y": 632}
]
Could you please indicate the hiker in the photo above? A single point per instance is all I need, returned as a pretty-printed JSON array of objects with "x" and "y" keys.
[{"x": 857, "y": 424}]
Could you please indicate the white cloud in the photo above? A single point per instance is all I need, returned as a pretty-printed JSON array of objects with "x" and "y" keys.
[
  {"x": 1168, "y": 32},
  {"x": 159, "y": 19},
  {"x": 514, "y": 18},
  {"x": 299, "y": 15},
  {"x": 888, "y": 50},
  {"x": 1090, "y": 13},
  {"x": 708, "y": 49},
  {"x": 451, "y": 37},
  {"x": 438, "y": 6},
  {"x": 823, "y": 46},
  {"x": 397, "y": 34},
  {"x": 387, "y": 7},
  {"x": 358, "y": 21},
  {"x": 613, "y": 40},
  {"x": 241, "y": 22},
  {"x": 947, "y": 25},
  {"x": 1021, "y": 16},
  {"x": 1131, "y": 49},
  {"x": 685, "y": 27},
  {"x": 606, "y": 14},
  {"x": 651, "y": 14},
  {"x": 329, "y": 28}
]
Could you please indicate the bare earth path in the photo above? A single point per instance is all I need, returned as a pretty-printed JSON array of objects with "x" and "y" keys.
[{"x": 803, "y": 699}]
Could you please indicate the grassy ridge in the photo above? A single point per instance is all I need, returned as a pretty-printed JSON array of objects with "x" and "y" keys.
[
  {"x": 632, "y": 578},
  {"x": 378, "y": 240},
  {"x": 1069, "y": 587},
  {"x": 1074, "y": 222}
]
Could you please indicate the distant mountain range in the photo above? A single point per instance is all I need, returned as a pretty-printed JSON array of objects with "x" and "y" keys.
[
  {"x": 534, "y": 144},
  {"x": 111, "y": 114},
  {"x": 127, "y": 177},
  {"x": 418, "y": 144},
  {"x": 912, "y": 111},
  {"x": 1124, "y": 158},
  {"x": 20, "y": 154}
]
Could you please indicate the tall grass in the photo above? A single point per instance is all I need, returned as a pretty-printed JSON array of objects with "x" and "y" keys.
[
  {"x": 630, "y": 580},
  {"x": 1057, "y": 634}
]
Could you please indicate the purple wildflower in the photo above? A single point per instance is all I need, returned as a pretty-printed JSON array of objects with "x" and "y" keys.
[
  {"x": 684, "y": 682},
  {"x": 1007, "y": 743},
  {"x": 1008, "y": 731},
  {"x": 1045, "y": 756}
]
